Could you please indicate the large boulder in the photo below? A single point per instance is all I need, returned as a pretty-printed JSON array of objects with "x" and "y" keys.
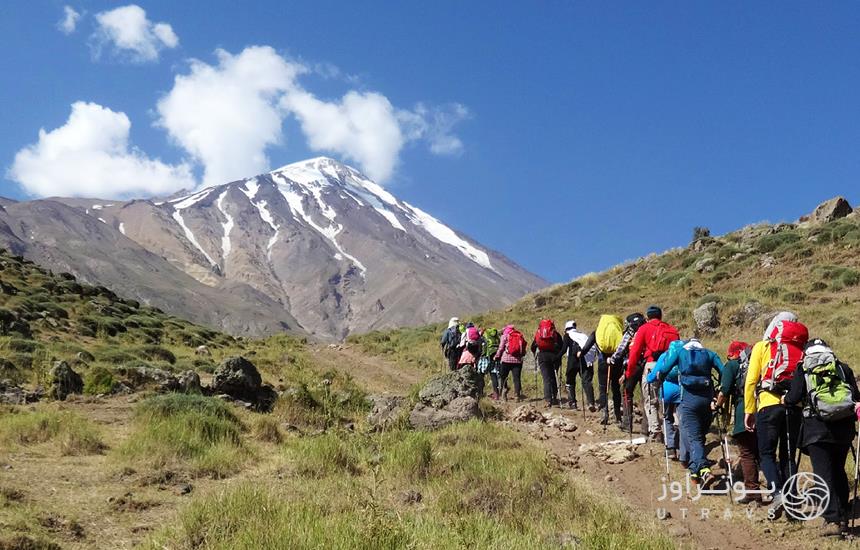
[
  {"x": 240, "y": 379},
  {"x": 831, "y": 210},
  {"x": 707, "y": 318},
  {"x": 189, "y": 382},
  {"x": 138, "y": 377},
  {"x": 452, "y": 397},
  {"x": 64, "y": 381}
]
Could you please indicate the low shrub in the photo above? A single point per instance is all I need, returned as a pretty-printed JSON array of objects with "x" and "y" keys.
[
  {"x": 98, "y": 380},
  {"x": 73, "y": 435}
]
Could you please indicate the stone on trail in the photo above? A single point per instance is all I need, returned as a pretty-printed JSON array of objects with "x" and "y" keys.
[
  {"x": 189, "y": 382},
  {"x": 64, "y": 381},
  {"x": 139, "y": 378},
  {"x": 611, "y": 453}
]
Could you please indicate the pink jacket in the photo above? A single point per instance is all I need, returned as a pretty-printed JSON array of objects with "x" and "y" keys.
[{"x": 503, "y": 349}]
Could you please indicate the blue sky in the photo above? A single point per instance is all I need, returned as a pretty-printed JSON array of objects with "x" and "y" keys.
[{"x": 568, "y": 135}]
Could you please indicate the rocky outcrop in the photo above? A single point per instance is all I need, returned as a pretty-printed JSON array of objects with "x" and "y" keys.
[
  {"x": 239, "y": 378},
  {"x": 829, "y": 211},
  {"x": 142, "y": 377},
  {"x": 707, "y": 318},
  {"x": 12, "y": 394},
  {"x": 452, "y": 397},
  {"x": 189, "y": 382},
  {"x": 64, "y": 381}
]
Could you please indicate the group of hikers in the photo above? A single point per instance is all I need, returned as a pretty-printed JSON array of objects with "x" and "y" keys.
[{"x": 785, "y": 393}]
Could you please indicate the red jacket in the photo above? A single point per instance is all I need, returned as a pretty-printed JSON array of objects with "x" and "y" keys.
[{"x": 641, "y": 347}]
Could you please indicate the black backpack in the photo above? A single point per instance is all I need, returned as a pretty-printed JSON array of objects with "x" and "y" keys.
[
  {"x": 741, "y": 376},
  {"x": 634, "y": 321}
]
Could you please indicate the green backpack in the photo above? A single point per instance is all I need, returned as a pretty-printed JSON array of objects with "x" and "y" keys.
[
  {"x": 830, "y": 396},
  {"x": 491, "y": 342}
]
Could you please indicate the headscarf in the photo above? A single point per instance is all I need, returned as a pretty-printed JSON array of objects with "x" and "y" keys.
[
  {"x": 507, "y": 330},
  {"x": 453, "y": 322},
  {"x": 779, "y": 317},
  {"x": 735, "y": 349}
]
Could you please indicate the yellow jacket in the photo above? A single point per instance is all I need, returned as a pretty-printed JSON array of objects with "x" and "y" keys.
[{"x": 758, "y": 361}]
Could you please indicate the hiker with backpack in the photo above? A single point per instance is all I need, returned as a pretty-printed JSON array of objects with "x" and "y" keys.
[
  {"x": 487, "y": 364},
  {"x": 827, "y": 390},
  {"x": 695, "y": 364},
  {"x": 577, "y": 364},
  {"x": 620, "y": 356},
  {"x": 548, "y": 348},
  {"x": 512, "y": 349},
  {"x": 651, "y": 340},
  {"x": 670, "y": 394},
  {"x": 606, "y": 338},
  {"x": 731, "y": 394},
  {"x": 450, "y": 343},
  {"x": 472, "y": 344},
  {"x": 771, "y": 367}
]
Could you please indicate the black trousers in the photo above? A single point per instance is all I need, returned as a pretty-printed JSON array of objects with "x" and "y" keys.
[
  {"x": 777, "y": 431},
  {"x": 550, "y": 382},
  {"x": 603, "y": 371},
  {"x": 517, "y": 370},
  {"x": 828, "y": 461},
  {"x": 586, "y": 373},
  {"x": 453, "y": 357}
]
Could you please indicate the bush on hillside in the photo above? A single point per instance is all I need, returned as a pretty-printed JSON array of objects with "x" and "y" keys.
[
  {"x": 770, "y": 243},
  {"x": 156, "y": 353},
  {"x": 98, "y": 380}
]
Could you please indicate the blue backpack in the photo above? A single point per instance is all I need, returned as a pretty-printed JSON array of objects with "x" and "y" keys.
[{"x": 694, "y": 366}]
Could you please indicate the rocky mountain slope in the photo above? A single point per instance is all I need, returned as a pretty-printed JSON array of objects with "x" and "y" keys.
[{"x": 316, "y": 240}]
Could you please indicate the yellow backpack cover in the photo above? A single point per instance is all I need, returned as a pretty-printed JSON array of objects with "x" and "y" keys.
[{"x": 608, "y": 333}]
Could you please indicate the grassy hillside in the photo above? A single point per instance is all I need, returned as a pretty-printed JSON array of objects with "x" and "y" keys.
[
  {"x": 813, "y": 270},
  {"x": 190, "y": 471}
]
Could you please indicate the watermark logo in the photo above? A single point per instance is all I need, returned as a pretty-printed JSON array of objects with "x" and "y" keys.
[{"x": 805, "y": 496}]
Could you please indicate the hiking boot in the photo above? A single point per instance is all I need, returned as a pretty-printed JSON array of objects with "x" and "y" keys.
[
  {"x": 673, "y": 454},
  {"x": 749, "y": 499},
  {"x": 656, "y": 437},
  {"x": 505, "y": 394},
  {"x": 572, "y": 405},
  {"x": 776, "y": 505},
  {"x": 706, "y": 478},
  {"x": 547, "y": 404},
  {"x": 592, "y": 408},
  {"x": 521, "y": 398},
  {"x": 830, "y": 529}
]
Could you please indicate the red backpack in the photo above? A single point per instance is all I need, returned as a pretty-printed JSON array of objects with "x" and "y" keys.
[
  {"x": 786, "y": 351},
  {"x": 545, "y": 335},
  {"x": 662, "y": 336},
  {"x": 516, "y": 344}
]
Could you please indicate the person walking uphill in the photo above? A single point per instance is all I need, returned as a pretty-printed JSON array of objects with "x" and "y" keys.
[
  {"x": 549, "y": 347},
  {"x": 512, "y": 349},
  {"x": 731, "y": 394},
  {"x": 606, "y": 339},
  {"x": 487, "y": 363},
  {"x": 670, "y": 393},
  {"x": 828, "y": 391},
  {"x": 651, "y": 340},
  {"x": 694, "y": 364},
  {"x": 631, "y": 327},
  {"x": 771, "y": 368},
  {"x": 577, "y": 363},
  {"x": 450, "y": 343}
]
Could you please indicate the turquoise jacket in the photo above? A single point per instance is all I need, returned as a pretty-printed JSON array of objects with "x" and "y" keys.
[
  {"x": 670, "y": 389},
  {"x": 681, "y": 358}
]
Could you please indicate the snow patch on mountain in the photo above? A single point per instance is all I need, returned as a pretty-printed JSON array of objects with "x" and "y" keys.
[
  {"x": 226, "y": 245},
  {"x": 447, "y": 235},
  {"x": 266, "y": 216},
  {"x": 122, "y": 228},
  {"x": 181, "y": 204}
]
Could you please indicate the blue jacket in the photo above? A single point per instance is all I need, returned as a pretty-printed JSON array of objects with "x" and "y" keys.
[
  {"x": 670, "y": 389},
  {"x": 681, "y": 358}
]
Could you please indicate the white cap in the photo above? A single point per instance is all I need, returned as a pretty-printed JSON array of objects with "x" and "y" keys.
[{"x": 569, "y": 325}]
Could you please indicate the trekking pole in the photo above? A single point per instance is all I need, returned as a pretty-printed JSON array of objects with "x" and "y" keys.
[
  {"x": 724, "y": 446},
  {"x": 792, "y": 467},
  {"x": 582, "y": 390},
  {"x": 534, "y": 359},
  {"x": 606, "y": 396},
  {"x": 665, "y": 435}
]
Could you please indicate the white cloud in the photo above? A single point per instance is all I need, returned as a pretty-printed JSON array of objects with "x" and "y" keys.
[
  {"x": 363, "y": 127},
  {"x": 226, "y": 115},
  {"x": 90, "y": 156},
  {"x": 128, "y": 32},
  {"x": 69, "y": 22}
]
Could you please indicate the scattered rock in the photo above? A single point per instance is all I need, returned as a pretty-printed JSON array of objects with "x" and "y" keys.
[
  {"x": 127, "y": 503},
  {"x": 184, "y": 489},
  {"x": 618, "y": 453},
  {"x": 203, "y": 351},
  {"x": 189, "y": 382},
  {"x": 427, "y": 417},
  {"x": 747, "y": 314},
  {"x": 240, "y": 379},
  {"x": 440, "y": 391},
  {"x": 705, "y": 265},
  {"x": 707, "y": 318},
  {"x": 64, "y": 381},
  {"x": 767, "y": 261},
  {"x": 526, "y": 413},
  {"x": 664, "y": 515},
  {"x": 829, "y": 211},
  {"x": 385, "y": 410},
  {"x": 609, "y": 478},
  {"x": 23, "y": 542},
  {"x": 561, "y": 423},
  {"x": 138, "y": 378}
]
